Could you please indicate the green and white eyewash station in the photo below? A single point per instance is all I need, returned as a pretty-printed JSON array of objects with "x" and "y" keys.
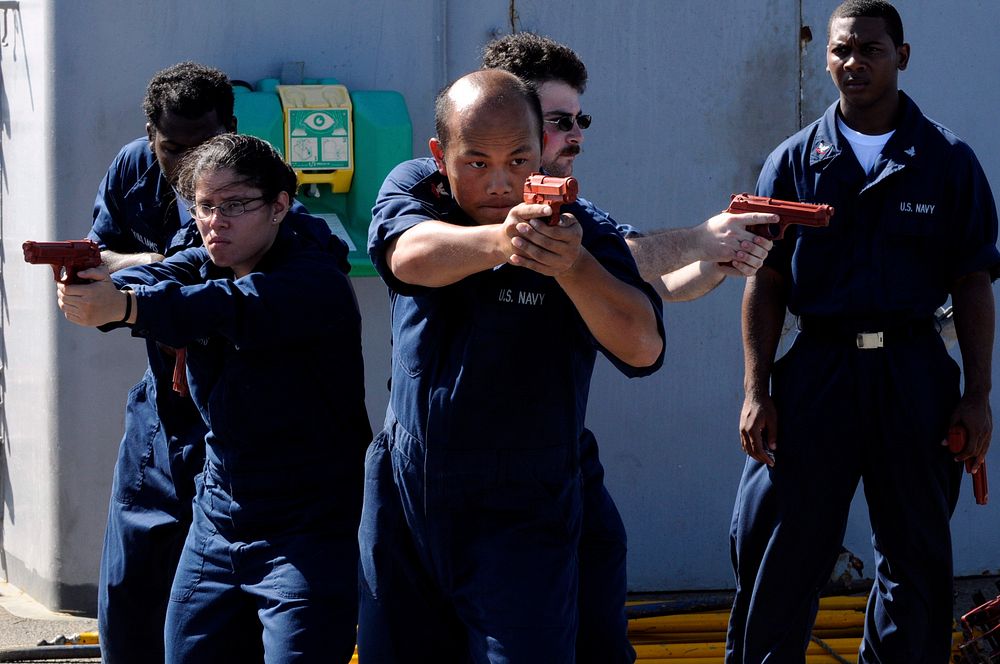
[{"x": 341, "y": 144}]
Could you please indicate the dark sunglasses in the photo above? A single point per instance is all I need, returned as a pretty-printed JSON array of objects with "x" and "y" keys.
[{"x": 565, "y": 122}]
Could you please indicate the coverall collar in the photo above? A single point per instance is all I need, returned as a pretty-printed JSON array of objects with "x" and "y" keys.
[{"x": 899, "y": 152}]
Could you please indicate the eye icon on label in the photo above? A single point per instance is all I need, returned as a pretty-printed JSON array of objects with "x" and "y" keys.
[{"x": 318, "y": 121}]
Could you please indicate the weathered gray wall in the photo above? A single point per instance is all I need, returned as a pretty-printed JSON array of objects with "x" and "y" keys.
[{"x": 687, "y": 96}]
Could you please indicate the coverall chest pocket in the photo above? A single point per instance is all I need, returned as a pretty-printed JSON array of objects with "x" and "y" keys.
[
  {"x": 819, "y": 255},
  {"x": 523, "y": 320},
  {"x": 420, "y": 328},
  {"x": 916, "y": 248}
]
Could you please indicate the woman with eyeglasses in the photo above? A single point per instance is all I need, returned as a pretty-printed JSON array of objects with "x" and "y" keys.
[{"x": 274, "y": 365}]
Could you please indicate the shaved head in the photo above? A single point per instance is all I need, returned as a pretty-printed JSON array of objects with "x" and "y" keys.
[{"x": 486, "y": 94}]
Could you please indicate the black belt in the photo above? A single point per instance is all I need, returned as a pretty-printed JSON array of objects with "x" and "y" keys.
[{"x": 863, "y": 333}]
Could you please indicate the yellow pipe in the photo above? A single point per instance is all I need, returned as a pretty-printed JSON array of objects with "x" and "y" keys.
[
  {"x": 701, "y": 636},
  {"x": 834, "y": 602},
  {"x": 843, "y": 602},
  {"x": 677, "y": 637},
  {"x": 718, "y": 622},
  {"x": 651, "y": 652},
  {"x": 810, "y": 659},
  {"x": 840, "y": 646}
]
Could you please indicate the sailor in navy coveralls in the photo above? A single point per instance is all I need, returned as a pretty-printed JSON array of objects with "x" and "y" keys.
[
  {"x": 472, "y": 494},
  {"x": 867, "y": 391},
  {"x": 138, "y": 219},
  {"x": 275, "y": 368}
]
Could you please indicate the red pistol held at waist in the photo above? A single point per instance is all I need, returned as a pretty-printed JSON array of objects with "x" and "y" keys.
[
  {"x": 957, "y": 439},
  {"x": 789, "y": 212}
]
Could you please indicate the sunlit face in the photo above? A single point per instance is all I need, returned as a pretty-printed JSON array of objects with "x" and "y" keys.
[
  {"x": 864, "y": 63},
  {"x": 174, "y": 135},
  {"x": 237, "y": 242},
  {"x": 489, "y": 155},
  {"x": 559, "y": 99}
]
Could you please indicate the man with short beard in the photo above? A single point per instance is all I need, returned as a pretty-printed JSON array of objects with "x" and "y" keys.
[{"x": 682, "y": 264}]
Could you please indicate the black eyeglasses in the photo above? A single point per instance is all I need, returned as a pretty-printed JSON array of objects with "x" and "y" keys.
[
  {"x": 204, "y": 212},
  {"x": 565, "y": 122}
]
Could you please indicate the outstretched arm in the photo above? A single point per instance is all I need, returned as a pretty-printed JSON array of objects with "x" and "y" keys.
[
  {"x": 116, "y": 261},
  {"x": 100, "y": 302},
  {"x": 722, "y": 239},
  {"x": 698, "y": 279},
  {"x": 173, "y": 303}
]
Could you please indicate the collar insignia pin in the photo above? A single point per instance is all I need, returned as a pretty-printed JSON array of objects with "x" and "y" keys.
[
  {"x": 439, "y": 190},
  {"x": 911, "y": 151},
  {"x": 822, "y": 148}
]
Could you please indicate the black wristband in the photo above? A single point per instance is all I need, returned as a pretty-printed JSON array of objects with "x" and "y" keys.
[{"x": 128, "y": 306}]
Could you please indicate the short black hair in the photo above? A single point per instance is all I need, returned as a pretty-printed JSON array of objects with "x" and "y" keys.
[
  {"x": 253, "y": 160},
  {"x": 872, "y": 9},
  {"x": 537, "y": 59},
  {"x": 190, "y": 90},
  {"x": 512, "y": 86}
]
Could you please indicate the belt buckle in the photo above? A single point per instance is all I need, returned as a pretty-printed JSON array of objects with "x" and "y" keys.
[{"x": 870, "y": 340}]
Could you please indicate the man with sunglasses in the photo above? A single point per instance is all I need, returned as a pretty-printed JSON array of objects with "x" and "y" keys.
[{"x": 682, "y": 264}]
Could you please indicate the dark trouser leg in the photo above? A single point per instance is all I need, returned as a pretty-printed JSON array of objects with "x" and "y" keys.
[
  {"x": 403, "y": 618},
  {"x": 912, "y": 483},
  {"x": 306, "y": 588},
  {"x": 146, "y": 528},
  {"x": 789, "y": 521},
  {"x": 210, "y": 620},
  {"x": 513, "y": 531},
  {"x": 603, "y": 634}
]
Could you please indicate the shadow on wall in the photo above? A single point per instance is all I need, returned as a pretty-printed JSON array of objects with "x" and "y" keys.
[{"x": 10, "y": 28}]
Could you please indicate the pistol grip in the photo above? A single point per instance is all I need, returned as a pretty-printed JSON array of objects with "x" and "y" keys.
[
  {"x": 956, "y": 439},
  {"x": 71, "y": 278},
  {"x": 554, "y": 219}
]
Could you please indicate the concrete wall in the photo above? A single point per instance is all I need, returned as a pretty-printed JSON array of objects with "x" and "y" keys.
[{"x": 688, "y": 97}]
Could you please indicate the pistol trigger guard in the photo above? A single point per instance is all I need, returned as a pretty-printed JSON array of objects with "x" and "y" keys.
[{"x": 767, "y": 231}]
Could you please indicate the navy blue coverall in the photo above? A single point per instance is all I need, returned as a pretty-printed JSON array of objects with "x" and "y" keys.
[
  {"x": 471, "y": 518},
  {"x": 603, "y": 634},
  {"x": 275, "y": 368},
  {"x": 163, "y": 445},
  {"x": 899, "y": 238}
]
